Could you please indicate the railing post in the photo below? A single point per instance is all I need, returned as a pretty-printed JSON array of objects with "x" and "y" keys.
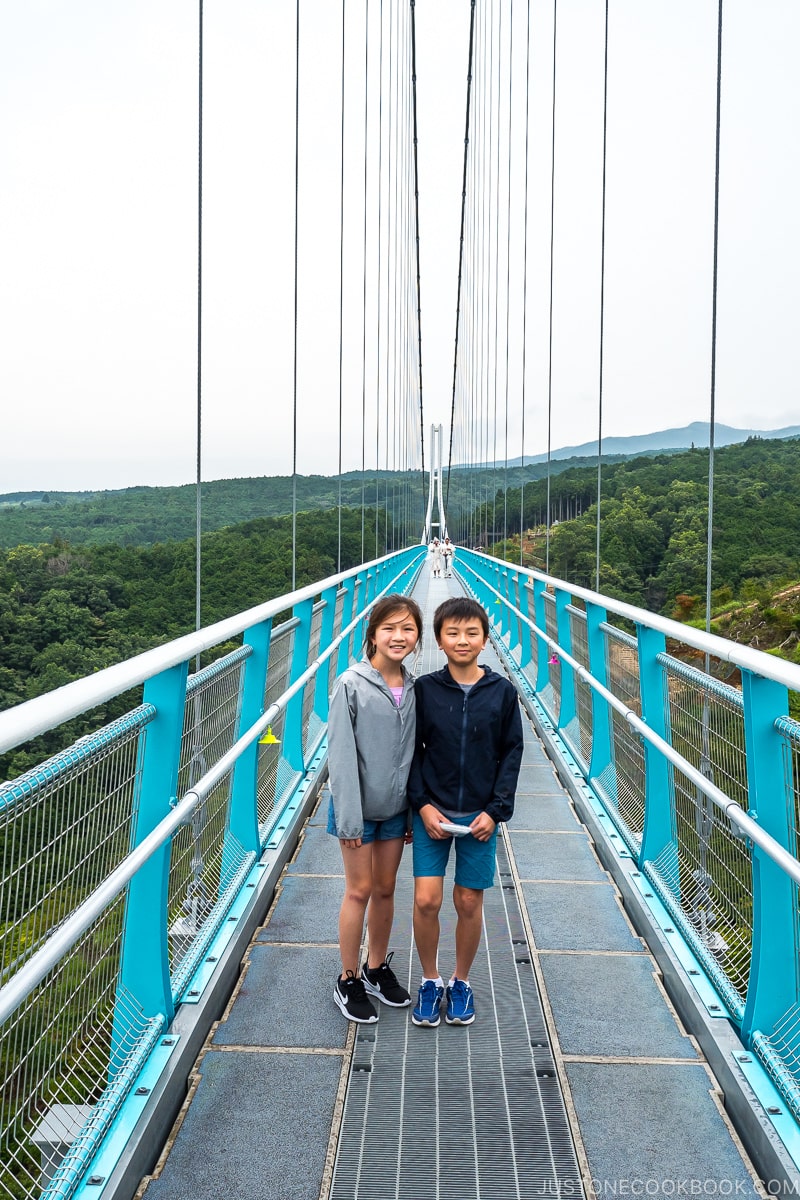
[
  {"x": 772, "y": 988},
  {"x": 659, "y": 832},
  {"x": 526, "y": 633},
  {"x": 602, "y": 744},
  {"x": 343, "y": 659},
  {"x": 367, "y": 592},
  {"x": 543, "y": 652},
  {"x": 293, "y": 726},
  {"x": 243, "y": 819},
  {"x": 144, "y": 965},
  {"x": 326, "y": 636},
  {"x": 513, "y": 620},
  {"x": 566, "y": 708}
]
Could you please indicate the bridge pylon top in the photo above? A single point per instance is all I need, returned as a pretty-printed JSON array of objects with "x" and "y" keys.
[{"x": 433, "y": 528}]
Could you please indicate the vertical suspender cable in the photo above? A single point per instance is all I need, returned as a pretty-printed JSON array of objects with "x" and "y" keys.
[
  {"x": 711, "y": 423},
  {"x": 364, "y": 300},
  {"x": 416, "y": 236},
  {"x": 199, "y": 455},
  {"x": 341, "y": 303},
  {"x": 296, "y": 222},
  {"x": 508, "y": 266},
  {"x": 486, "y": 237},
  {"x": 380, "y": 239},
  {"x": 493, "y": 356},
  {"x": 389, "y": 225},
  {"x": 550, "y": 349},
  {"x": 602, "y": 311},
  {"x": 525, "y": 280},
  {"x": 461, "y": 244}
]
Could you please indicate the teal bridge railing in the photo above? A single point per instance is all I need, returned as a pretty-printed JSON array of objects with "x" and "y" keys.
[{"x": 132, "y": 860}]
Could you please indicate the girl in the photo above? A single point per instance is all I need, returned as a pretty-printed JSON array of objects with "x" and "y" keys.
[{"x": 370, "y": 747}]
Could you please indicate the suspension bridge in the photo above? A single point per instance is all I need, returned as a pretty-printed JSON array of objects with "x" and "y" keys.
[{"x": 168, "y": 888}]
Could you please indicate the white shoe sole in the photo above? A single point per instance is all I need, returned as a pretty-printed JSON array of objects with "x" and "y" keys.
[
  {"x": 340, "y": 1004},
  {"x": 373, "y": 991},
  {"x": 423, "y": 1022}
]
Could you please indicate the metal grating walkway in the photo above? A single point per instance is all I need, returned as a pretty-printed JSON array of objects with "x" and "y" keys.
[
  {"x": 456, "y": 1111},
  {"x": 288, "y": 1102}
]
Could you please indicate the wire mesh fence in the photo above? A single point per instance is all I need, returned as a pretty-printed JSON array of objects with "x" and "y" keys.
[{"x": 63, "y": 828}]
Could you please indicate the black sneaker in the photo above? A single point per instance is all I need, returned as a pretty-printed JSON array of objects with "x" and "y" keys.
[
  {"x": 353, "y": 1001},
  {"x": 383, "y": 983}
]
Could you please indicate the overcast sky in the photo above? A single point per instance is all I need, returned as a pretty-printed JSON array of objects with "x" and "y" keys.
[{"x": 98, "y": 227}]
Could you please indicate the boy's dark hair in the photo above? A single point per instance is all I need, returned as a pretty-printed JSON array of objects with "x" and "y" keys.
[
  {"x": 460, "y": 608},
  {"x": 386, "y": 608}
]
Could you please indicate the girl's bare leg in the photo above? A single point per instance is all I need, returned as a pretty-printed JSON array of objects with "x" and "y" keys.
[
  {"x": 380, "y": 914},
  {"x": 357, "y": 889}
]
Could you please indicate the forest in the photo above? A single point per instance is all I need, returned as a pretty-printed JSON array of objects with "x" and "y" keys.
[
  {"x": 67, "y": 610},
  {"x": 71, "y": 606},
  {"x": 142, "y": 516},
  {"x": 654, "y": 524}
]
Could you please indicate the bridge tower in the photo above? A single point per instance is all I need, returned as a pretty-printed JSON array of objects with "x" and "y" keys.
[{"x": 433, "y": 528}]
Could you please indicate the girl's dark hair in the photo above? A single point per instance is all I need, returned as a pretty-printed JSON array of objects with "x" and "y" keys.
[{"x": 384, "y": 609}]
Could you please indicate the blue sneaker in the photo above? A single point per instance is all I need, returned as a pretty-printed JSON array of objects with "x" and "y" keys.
[
  {"x": 429, "y": 999},
  {"x": 460, "y": 1004}
]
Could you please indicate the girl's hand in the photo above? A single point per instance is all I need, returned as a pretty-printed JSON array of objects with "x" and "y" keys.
[
  {"x": 350, "y": 843},
  {"x": 409, "y": 837},
  {"x": 483, "y": 827}
]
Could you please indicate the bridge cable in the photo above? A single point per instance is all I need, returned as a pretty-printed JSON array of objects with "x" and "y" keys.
[
  {"x": 550, "y": 347},
  {"x": 711, "y": 422},
  {"x": 486, "y": 265},
  {"x": 379, "y": 280},
  {"x": 525, "y": 280},
  {"x": 364, "y": 300},
  {"x": 296, "y": 223},
  {"x": 341, "y": 299},
  {"x": 416, "y": 232},
  {"x": 492, "y": 358},
  {"x": 508, "y": 266},
  {"x": 602, "y": 309},
  {"x": 198, "y": 475},
  {"x": 199, "y": 446},
  {"x": 461, "y": 242}
]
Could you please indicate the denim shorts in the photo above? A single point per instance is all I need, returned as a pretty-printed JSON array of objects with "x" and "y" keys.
[
  {"x": 475, "y": 861},
  {"x": 374, "y": 831}
]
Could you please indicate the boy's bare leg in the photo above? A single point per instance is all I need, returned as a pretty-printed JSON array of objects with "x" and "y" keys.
[
  {"x": 428, "y": 892},
  {"x": 468, "y": 903},
  {"x": 386, "y": 857}
]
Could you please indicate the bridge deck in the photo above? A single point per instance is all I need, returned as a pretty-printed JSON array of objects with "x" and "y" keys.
[{"x": 576, "y": 1068}]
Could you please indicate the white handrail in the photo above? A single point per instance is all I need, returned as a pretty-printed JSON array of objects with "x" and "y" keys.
[
  {"x": 745, "y": 657},
  {"x": 64, "y": 938},
  {"x": 734, "y": 812},
  {"x": 27, "y": 720}
]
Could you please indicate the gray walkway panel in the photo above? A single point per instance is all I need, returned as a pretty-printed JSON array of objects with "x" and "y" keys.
[{"x": 575, "y": 1070}]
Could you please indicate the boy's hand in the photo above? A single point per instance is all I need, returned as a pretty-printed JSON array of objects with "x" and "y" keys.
[
  {"x": 430, "y": 819},
  {"x": 483, "y": 827}
]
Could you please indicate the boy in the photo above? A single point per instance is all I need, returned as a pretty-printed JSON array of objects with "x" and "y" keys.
[{"x": 466, "y": 763}]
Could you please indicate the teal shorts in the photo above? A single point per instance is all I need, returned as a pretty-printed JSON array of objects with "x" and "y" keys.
[
  {"x": 475, "y": 861},
  {"x": 375, "y": 831}
]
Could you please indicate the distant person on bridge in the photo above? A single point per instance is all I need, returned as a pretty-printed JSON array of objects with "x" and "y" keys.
[
  {"x": 370, "y": 747},
  {"x": 436, "y": 558},
  {"x": 448, "y": 554},
  {"x": 462, "y": 784}
]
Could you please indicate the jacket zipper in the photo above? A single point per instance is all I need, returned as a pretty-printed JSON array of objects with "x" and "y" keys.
[{"x": 462, "y": 755}]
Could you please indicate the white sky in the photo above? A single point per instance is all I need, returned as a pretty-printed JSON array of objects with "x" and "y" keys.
[{"x": 98, "y": 227}]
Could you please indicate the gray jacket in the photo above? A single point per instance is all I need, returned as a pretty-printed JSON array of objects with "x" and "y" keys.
[{"x": 370, "y": 748}]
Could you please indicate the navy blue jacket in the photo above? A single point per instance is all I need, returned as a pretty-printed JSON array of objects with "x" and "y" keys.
[{"x": 468, "y": 745}]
